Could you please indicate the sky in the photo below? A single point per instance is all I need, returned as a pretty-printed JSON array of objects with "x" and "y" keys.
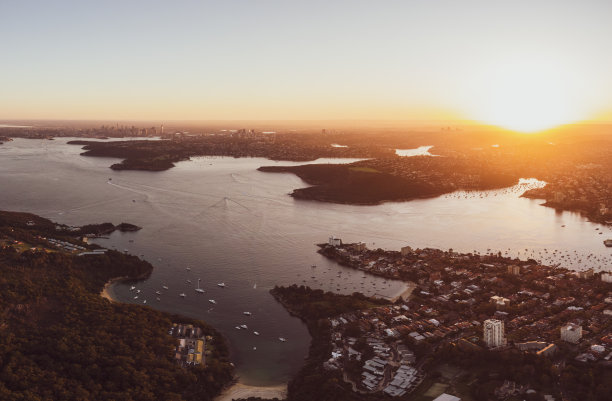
[{"x": 519, "y": 64}]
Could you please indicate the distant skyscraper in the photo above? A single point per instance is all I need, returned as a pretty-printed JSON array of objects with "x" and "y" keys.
[
  {"x": 162, "y": 129},
  {"x": 493, "y": 333}
]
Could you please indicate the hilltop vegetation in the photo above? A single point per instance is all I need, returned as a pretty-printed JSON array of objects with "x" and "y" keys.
[{"x": 59, "y": 340}]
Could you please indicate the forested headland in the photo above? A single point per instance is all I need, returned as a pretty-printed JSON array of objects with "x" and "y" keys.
[{"x": 59, "y": 340}]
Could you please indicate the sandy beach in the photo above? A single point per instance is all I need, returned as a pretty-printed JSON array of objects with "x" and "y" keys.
[
  {"x": 240, "y": 390},
  {"x": 108, "y": 292},
  {"x": 237, "y": 390},
  {"x": 404, "y": 293}
]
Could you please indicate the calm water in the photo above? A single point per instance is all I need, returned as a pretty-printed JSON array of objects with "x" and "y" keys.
[
  {"x": 230, "y": 223},
  {"x": 420, "y": 151},
  {"x": 14, "y": 126}
]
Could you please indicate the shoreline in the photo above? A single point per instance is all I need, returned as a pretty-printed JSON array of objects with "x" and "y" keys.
[
  {"x": 241, "y": 390},
  {"x": 405, "y": 293},
  {"x": 107, "y": 292}
]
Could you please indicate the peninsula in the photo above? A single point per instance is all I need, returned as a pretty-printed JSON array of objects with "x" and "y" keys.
[
  {"x": 60, "y": 340},
  {"x": 396, "y": 179},
  {"x": 552, "y": 325}
]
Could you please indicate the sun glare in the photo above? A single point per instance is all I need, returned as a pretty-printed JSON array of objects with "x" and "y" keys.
[{"x": 528, "y": 96}]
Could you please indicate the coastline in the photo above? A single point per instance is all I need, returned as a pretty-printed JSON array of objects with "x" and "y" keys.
[
  {"x": 240, "y": 390},
  {"x": 405, "y": 293},
  {"x": 107, "y": 292}
]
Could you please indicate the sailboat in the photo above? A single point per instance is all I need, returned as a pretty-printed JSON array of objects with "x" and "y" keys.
[{"x": 201, "y": 291}]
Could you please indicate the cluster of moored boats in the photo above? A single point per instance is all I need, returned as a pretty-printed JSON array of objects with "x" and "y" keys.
[
  {"x": 245, "y": 327},
  {"x": 182, "y": 294},
  {"x": 200, "y": 290}
]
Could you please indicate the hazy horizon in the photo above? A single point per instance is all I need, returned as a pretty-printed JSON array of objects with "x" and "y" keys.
[{"x": 524, "y": 66}]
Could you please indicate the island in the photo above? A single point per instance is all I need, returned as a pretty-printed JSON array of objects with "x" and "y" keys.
[{"x": 59, "y": 339}]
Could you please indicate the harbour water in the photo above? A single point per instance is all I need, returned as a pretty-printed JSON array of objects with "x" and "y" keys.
[
  {"x": 228, "y": 222},
  {"x": 420, "y": 151}
]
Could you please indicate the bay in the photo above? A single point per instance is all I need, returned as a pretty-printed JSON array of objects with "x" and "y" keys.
[{"x": 229, "y": 223}]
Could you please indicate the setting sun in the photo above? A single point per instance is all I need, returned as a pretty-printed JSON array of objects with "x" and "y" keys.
[{"x": 530, "y": 96}]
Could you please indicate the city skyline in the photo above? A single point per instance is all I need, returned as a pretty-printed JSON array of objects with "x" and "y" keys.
[{"x": 519, "y": 65}]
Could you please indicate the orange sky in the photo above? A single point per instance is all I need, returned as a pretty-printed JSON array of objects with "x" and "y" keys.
[{"x": 522, "y": 65}]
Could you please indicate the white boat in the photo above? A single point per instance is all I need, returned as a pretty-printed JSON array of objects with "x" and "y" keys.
[
  {"x": 212, "y": 301},
  {"x": 158, "y": 299},
  {"x": 189, "y": 281},
  {"x": 164, "y": 287},
  {"x": 256, "y": 333},
  {"x": 282, "y": 339},
  {"x": 201, "y": 291},
  {"x": 132, "y": 288},
  {"x": 243, "y": 326},
  {"x": 136, "y": 297},
  {"x": 144, "y": 302},
  {"x": 222, "y": 285},
  {"x": 247, "y": 313},
  {"x": 182, "y": 294},
  {"x": 188, "y": 268},
  {"x": 137, "y": 291},
  {"x": 238, "y": 327},
  {"x": 158, "y": 293}
]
